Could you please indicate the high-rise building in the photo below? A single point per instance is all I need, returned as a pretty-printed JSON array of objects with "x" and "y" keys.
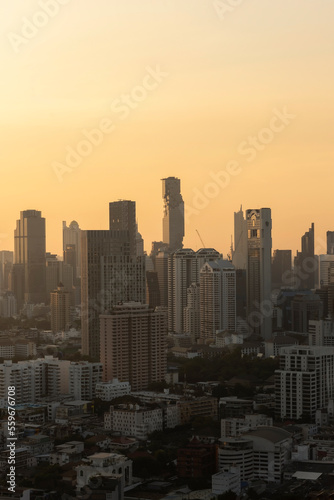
[
  {"x": 280, "y": 268},
  {"x": 70, "y": 258},
  {"x": 304, "y": 381},
  {"x": 259, "y": 306},
  {"x": 60, "y": 309},
  {"x": 330, "y": 242},
  {"x": 161, "y": 267},
  {"x": 217, "y": 298},
  {"x": 152, "y": 289},
  {"x": 325, "y": 270},
  {"x": 173, "y": 219},
  {"x": 58, "y": 271},
  {"x": 122, "y": 217},
  {"x": 184, "y": 269},
  {"x": 133, "y": 344},
  {"x": 306, "y": 263},
  {"x": 6, "y": 265},
  {"x": 239, "y": 255},
  {"x": 110, "y": 274},
  {"x": 303, "y": 309},
  {"x": 29, "y": 283},
  {"x": 191, "y": 313},
  {"x": 72, "y": 236}
]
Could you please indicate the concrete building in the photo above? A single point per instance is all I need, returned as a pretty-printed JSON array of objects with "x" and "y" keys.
[
  {"x": 303, "y": 309},
  {"x": 110, "y": 274},
  {"x": 217, "y": 298},
  {"x": 6, "y": 265},
  {"x": 259, "y": 306},
  {"x": 7, "y": 349},
  {"x": 173, "y": 219},
  {"x": 280, "y": 268},
  {"x": 161, "y": 268},
  {"x": 304, "y": 381},
  {"x": 112, "y": 389},
  {"x": 105, "y": 465},
  {"x": 325, "y": 270},
  {"x": 60, "y": 309},
  {"x": 133, "y": 344},
  {"x": 29, "y": 284},
  {"x": 227, "y": 480},
  {"x": 321, "y": 333},
  {"x": 83, "y": 378},
  {"x": 152, "y": 289},
  {"x": 8, "y": 305},
  {"x": 134, "y": 421}
]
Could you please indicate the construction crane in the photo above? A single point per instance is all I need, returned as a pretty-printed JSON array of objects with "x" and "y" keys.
[{"x": 200, "y": 238}]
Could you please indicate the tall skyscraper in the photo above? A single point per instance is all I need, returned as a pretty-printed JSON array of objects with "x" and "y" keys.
[
  {"x": 184, "y": 269},
  {"x": 133, "y": 344},
  {"x": 173, "y": 219},
  {"x": 239, "y": 255},
  {"x": 191, "y": 313},
  {"x": 217, "y": 298},
  {"x": 281, "y": 265},
  {"x": 110, "y": 274},
  {"x": 306, "y": 263},
  {"x": 259, "y": 306},
  {"x": 122, "y": 217},
  {"x": 330, "y": 242},
  {"x": 29, "y": 258},
  {"x": 72, "y": 236}
]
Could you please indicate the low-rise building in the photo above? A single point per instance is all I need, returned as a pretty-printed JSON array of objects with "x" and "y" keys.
[{"x": 112, "y": 389}]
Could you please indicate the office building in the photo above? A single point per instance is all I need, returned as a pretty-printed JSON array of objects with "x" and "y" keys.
[
  {"x": 280, "y": 268},
  {"x": 303, "y": 309},
  {"x": 133, "y": 344},
  {"x": 173, "y": 219},
  {"x": 83, "y": 378},
  {"x": 6, "y": 265},
  {"x": 122, "y": 217},
  {"x": 259, "y": 306},
  {"x": 110, "y": 274},
  {"x": 29, "y": 283},
  {"x": 325, "y": 270},
  {"x": 306, "y": 263},
  {"x": 330, "y": 242},
  {"x": 191, "y": 313},
  {"x": 239, "y": 254}
]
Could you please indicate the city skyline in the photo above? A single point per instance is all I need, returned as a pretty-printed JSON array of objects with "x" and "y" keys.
[{"x": 202, "y": 92}]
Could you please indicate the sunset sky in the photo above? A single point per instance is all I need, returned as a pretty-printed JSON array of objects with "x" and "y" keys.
[{"x": 225, "y": 79}]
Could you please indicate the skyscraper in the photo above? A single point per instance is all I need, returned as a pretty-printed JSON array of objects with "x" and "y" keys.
[
  {"x": 110, "y": 274},
  {"x": 122, "y": 217},
  {"x": 6, "y": 265},
  {"x": 281, "y": 265},
  {"x": 217, "y": 298},
  {"x": 239, "y": 255},
  {"x": 259, "y": 306},
  {"x": 72, "y": 236},
  {"x": 29, "y": 258},
  {"x": 60, "y": 309},
  {"x": 173, "y": 219},
  {"x": 133, "y": 344},
  {"x": 306, "y": 264}
]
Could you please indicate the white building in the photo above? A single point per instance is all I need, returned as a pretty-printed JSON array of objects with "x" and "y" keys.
[
  {"x": 83, "y": 377},
  {"x": 321, "y": 332},
  {"x": 226, "y": 480},
  {"x": 7, "y": 349},
  {"x": 112, "y": 389},
  {"x": 134, "y": 421},
  {"x": 106, "y": 465},
  {"x": 233, "y": 427},
  {"x": 304, "y": 382}
]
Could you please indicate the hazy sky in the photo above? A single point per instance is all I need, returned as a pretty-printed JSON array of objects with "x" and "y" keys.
[{"x": 203, "y": 84}]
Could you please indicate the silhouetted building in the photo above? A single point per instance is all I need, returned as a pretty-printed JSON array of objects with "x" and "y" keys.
[
  {"x": 303, "y": 309},
  {"x": 306, "y": 263},
  {"x": 197, "y": 459},
  {"x": 173, "y": 220},
  {"x": 122, "y": 217},
  {"x": 239, "y": 255},
  {"x": 281, "y": 266},
  {"x": 241, "y": 292},
  {"x": 161, "y": 267},
  {"x": 6, "y": 265},
  {"x": 29, "y": 258},
  {"x": 259, "y": 305}
]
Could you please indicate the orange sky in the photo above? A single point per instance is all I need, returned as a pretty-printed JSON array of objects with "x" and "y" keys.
[{"x": 225, "y": 79}]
